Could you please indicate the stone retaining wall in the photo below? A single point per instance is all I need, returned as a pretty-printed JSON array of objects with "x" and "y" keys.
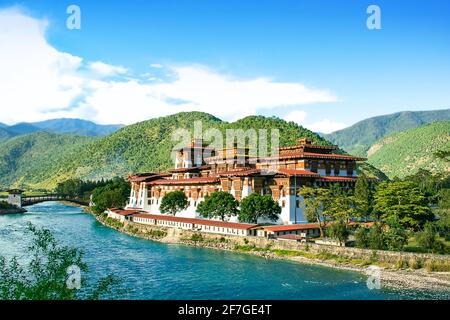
[{"x": 228, "y": 242}]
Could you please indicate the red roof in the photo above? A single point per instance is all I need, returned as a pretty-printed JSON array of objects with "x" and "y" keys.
[
  {"x": 291, "y": 237},
  {"x": 315, "y": 146},
  {"x": 331, "y": 156},
  {"x": 292, "y": 172},
  {"x": 124, "y": 212},
  {"x": 337, "y": 178},
  {"x": 201, "y": 180},
  {"x": 291, "y": 227},
  {"x": 145, "y": 177},
  {"x": 215, "y": 223},
  {"x": 301, "y": 154}
]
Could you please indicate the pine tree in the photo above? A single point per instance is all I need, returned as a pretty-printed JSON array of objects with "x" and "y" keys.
[{"x": 363, "y": 196}]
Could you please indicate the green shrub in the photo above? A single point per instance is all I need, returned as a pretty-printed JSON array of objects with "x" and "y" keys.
[
  {"x": 395, "y": 237},
  {"x": 5, "y": 205},
  {"x": 197, "y": 237},
  {"x": 362, "y": 237},
  {"x": 415, "y": 263},
  {"x": 376, "y": 237},
  {"x": 401, "y": 263},
  {"x": 156, "y": 233},
  {"x": 114, "y": 223},
  {"x": 283, "y": 252},
  {"x": 437, "y": 265},
  {"x": 427, "y": 239},
  {"x": 338, "y": 231}
]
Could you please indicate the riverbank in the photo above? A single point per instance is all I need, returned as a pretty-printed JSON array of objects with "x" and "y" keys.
[
  {"x": 396, "y": 270},
  {"x": 12, "y": 211}
]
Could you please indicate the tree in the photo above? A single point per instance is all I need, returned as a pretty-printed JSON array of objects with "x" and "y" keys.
[
  {"x": 427, "y": 237},
  {"x": 173, "y": 202},
  {"x": 443, "y": 155},
  {"x": 403, "y": 200},
  {"x": 338, "y": 230},
  {"x": 395, "y": 237},
  {"x": 376, "y": 237},
  {"x": 71, "y": 188},
  {"x": 362, "y": 237},
  {"x": 363, "y": 196},
  {"x": 114, "y": 194},
  {"x": 256, "y": 206},
  {"x": 218, "y": 204},
  {"x": 444, "y": 198},
  {"x": 315, "y": 201},
  {"x": 340, "y": 207},
  {"x": 443, "y": 225},
  {"x": 46, "y": 275}
]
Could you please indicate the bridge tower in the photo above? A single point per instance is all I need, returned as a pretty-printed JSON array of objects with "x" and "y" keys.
[{"x": 15, "y": 197}]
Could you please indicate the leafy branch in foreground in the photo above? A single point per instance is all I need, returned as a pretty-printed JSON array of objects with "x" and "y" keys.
[{"x": 46, "y": 276}]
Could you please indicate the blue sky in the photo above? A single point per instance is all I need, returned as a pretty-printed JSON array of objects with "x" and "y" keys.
[{"x": 314, "y": 62}]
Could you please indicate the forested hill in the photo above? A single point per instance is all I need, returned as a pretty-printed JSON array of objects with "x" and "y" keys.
[
  {"x": 404, "y": 153},
  {"x": 358, "y": 138},
  {"x": 28, "y": 159},
  {"x": 40, "y": 160}
]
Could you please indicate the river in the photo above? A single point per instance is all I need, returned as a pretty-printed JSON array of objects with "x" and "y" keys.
[{"x": 152, "y": 270}]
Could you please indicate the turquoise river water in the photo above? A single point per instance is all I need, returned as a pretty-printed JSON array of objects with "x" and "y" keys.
[{"x": 152, "y": 270}]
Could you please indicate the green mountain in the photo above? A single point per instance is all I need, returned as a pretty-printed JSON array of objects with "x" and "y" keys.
[
  {"x": 4, "y": 135},
  {"x": 404, "y": 153},
  {"x": 358, "y": 138},
  {"x": 27, "y": 160},
  {"x": 40, "y": 160},
  {"x": 77, "y": 127}
]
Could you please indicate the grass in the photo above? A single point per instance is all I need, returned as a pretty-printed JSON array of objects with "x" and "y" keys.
[
  {"x": 114, "y": 223},
  {"x": 156, "y": 233},
  {"x": 413, "y": 246},
  {"x": 197, "y": 237},
  {"x": 323, "y": 255},
  {"x": 437, "y": 265},
  {"x": 26, "y": 194}
]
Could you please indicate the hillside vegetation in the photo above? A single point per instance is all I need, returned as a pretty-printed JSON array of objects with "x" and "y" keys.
[
  {"x": 41, "y": 160},
  {"x": 358, "y": 138},
  {"x": 404, "y": 153},
  {"x": 30, "y": 159}
]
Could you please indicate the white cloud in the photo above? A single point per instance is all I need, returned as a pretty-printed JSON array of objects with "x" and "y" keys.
[
  {"x": 156, "y": 65},
  {"x": 323, "y": 126},
  {"x": 297, "y": 116},
  {"x": 106, "y": 70},
  {"x": 39, "y": 82},
  {"x": 326, "y": 126},
  {"x": 34, "y": 77}
]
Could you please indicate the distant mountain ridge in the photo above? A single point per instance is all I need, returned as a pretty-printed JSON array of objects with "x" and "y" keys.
[
  {"x": 41, "y": 160},
  {"x": 404, "y": 153},
  {"x": 358, "y": 138},
  {"x": 77, "y": 127}
]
